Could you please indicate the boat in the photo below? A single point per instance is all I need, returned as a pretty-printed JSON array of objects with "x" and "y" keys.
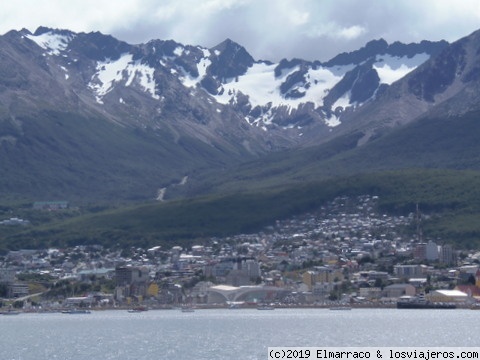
[
  {"x": 187, "y": 308},
  {"x": 265, "y": 307},
  {"x": 10, "y": 312},
  {"x": 76, "y": 311},
  {"x": 340, "y": 308},
  {"x": 419, "y": 302},
  {"x": 234, "y": 305},
  {"x": 137, "y": 309}
]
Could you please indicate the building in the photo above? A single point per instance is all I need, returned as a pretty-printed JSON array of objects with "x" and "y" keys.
[
  {"x": 218, "y": 269},
  {"x": 16, "y": 290},
  {"x": 448, "y": 296},
  {"x": 127, "y": 275},
  {"x": 420, "y": 251},
  {"x": 398, "y": 290},
  {"x": 409, "y": 271},
  {"x": 370, "y": 293},
  {"x": 322, "y": 290},
  {"x": 431, "y": 251},
  {"x": 322, "y": 275},
  {"x": 7, "y": 275},
  {"x": 472, "y": 291},
  {"x": 87, "y": 275},
  {"x": 13, "y": 289},
  {"x": 477, "y": 278},
  {"x": 234, "y": 271},
  {"x": 447, "y": 255},
  {"x": 131, "y": 282},
  {"x": 225, "y": 294},
  {"x": 79, "y": 301},
  {"x": 244, "y": 272},
  {"x": 468, "y": 272}
]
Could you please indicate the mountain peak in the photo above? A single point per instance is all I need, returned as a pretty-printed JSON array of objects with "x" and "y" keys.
[
  {"x": 370, "y": 49},
  {"x": 381, "y": 47},
  {"x": 231, "y": 60},
  {"x": 42, "y": 30},
  {"x": 226, "y": 45},
  {"x": 45, "y": 30},
  {"x": 376, "y": 45}
]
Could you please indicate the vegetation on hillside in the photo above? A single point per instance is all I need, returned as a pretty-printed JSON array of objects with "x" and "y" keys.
[
  {"x": 67, "y": 156},
  {"x": 433, "y": 162},
  {"x": 452, "y": 197}
]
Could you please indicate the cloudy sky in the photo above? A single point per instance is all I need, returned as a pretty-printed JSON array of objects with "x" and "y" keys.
[{"x": 269, "y": 29}]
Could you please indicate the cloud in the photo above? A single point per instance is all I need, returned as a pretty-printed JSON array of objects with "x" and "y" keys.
[
  {"x": 335, "y": 31},
  {"x": 352, "y": 32},
  {"x": 269, "y": 29}
]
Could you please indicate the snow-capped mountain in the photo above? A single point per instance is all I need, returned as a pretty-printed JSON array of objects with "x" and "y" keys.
[
  {"x": 295, "y": 93},
  {"x": 94, "y": 112},
  {"x": 289, "y": 95}
]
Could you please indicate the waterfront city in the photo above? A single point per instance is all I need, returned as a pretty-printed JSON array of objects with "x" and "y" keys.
[{"x": 344, "y": 254}]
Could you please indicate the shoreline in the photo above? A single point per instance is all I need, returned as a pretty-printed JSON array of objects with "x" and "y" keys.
[{"x": 240, "y": 307}]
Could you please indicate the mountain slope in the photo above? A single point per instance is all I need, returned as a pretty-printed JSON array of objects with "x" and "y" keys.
[
  {"x": 445, "y": 85},
  {"x": 86, "y": 116},
  {"x": 453, "y": 194},
  {"x": 90, "y": 118},
  {"x": 64, "y": 133},
  {"x": 432, "y": 142},
  {"x": 65, "y": 156},
  {"x": 301, "y": 96}
]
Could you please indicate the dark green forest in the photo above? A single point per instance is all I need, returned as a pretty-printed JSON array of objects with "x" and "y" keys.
[{"x": 450, "y": 198}]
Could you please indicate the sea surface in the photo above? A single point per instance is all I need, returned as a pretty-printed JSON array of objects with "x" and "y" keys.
[{"x": 226, "y": 334}]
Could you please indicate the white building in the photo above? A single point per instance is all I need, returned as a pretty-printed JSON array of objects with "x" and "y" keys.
[
  {"x": 431, "y": 252},
  {"x": 448, "y": 296}
]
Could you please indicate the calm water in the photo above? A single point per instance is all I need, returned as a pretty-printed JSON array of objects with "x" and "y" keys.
[{"x": 225, "y": 334}]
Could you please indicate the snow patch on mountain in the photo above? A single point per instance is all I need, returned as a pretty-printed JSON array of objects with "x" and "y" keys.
[
  {"x": 187, "y": 79},
  {"x": 203, "y": 66},
  {"x": 53, "y": 43},
  {"x": 390, "y": 68},
  {"x": 262, "y": 87},
  {"x": 110, "y": 72},
  {"x": 178, "y": 51}
]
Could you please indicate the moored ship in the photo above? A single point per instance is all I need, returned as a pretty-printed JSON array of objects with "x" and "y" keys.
[{"x": 419, "y": 302}]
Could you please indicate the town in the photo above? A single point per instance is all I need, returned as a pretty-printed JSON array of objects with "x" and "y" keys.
[{"x": 344, "y": 254}]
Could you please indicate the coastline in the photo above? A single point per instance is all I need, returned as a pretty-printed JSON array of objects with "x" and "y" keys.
[{"x": 244, "y": 307}]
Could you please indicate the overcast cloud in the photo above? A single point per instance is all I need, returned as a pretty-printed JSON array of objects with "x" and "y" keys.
[{"x": 269, "y": 29}]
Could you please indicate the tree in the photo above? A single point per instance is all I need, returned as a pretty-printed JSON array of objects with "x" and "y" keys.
[
  {"x": 3, "y": 290},
  {"x": 379, "y": 283}
]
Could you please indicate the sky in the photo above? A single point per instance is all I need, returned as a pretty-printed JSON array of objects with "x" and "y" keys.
[{"x": 268, "y": 29}]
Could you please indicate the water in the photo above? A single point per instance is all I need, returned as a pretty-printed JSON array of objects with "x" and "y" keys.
[{"x": 225, "y": 334}]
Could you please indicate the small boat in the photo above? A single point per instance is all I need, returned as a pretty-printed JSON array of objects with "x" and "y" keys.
[
  {"x": 234, "y": 305},
  {"x": 138, "y": 309},
  {"x": 10, "y": 312},
  {"x": 76, "y": 311},
  {"x": 340, "y": 308},
  {"x": 187, "y": 308},
  {"x": 265, "y": 307}
]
